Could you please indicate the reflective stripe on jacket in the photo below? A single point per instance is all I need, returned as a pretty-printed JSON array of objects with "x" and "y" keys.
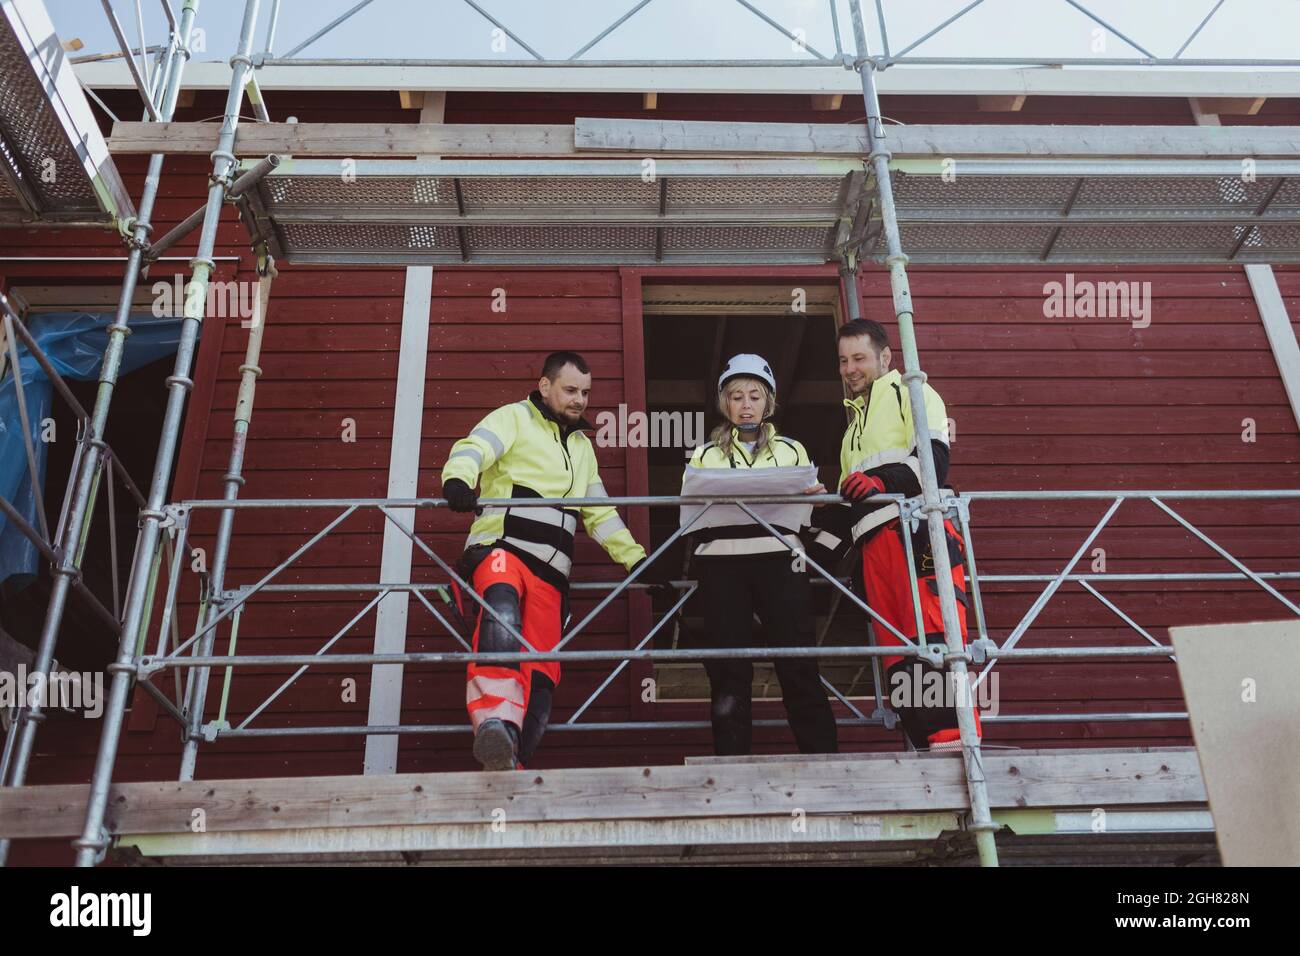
[
  {"x": 880, "y": 434},
  {"x": 522, "y": 451},
  {"x": 747, "y": 539}
]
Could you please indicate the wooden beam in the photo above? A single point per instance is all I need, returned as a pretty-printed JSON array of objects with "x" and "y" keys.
[
  {"x": 673, "y": 393},
  {"x": 411, "y": 99},
  {"x": 880, "y": 783},
  {"x": 823, "y": 102},
  {"x": 1230, "y": 105},
  {"x": 347, "y": 139},
  {"x": 649, "y": 101},
  {"x": 656, "y": 137},
  {"x": 659, "y": 299},
  {"x": 1001, "y": 104},
  {"x": 184, "y": 99}
]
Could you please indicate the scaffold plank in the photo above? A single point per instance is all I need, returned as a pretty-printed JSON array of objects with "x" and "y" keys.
[
  {"x": 910, "y": 141},
  {"x": 884, "y": 783}
]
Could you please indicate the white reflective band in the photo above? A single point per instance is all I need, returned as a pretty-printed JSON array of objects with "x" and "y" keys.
[
  {"x": 468, "y": 453},
  {"x": 827, "y": 540},
  {"x": 610, "y": 526},
  {"x": 596, "y": 490},
  {"x": 890, "y": 456},
  {"x": 875, "y": 519},
  {"x": 544, "y": 553},
  {"x": 507, "y": 688},
  {"x": 549, "y": 516},
  {"x": 738, "y": 546},
  {"x": 498, "y": 449},
  {"x": 506, "y": 710},
  {"x": 482, "y": 537}
]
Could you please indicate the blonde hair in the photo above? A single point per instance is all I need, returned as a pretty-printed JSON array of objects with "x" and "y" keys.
[{"x": 722, "y": 435}]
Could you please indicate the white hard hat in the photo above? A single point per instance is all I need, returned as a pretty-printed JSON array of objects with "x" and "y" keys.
[{"x": 749, "y": 364}]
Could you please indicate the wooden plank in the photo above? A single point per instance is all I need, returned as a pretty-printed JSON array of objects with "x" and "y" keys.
[
  {"x": 671, "y": 136},
  {"x": 347, "y": 139},
  {"x": 899, "y": 783},
  {"x": 650, "y": 137},
  {"x": 825, "y": 102},
  {"x": 1244, "y": 714}
]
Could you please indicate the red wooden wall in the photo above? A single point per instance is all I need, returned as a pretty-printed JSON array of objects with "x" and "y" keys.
[{"x": 1038, "y": 403}]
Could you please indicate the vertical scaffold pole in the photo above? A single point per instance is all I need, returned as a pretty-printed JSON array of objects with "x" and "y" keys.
[
  {"x": 853, "y": 307},
  {"x": 93, "y": 840},
  {"x": 66, "y": 570},
  {"x": 981, "y": 822},
  {"x": 234, "y": 480}
]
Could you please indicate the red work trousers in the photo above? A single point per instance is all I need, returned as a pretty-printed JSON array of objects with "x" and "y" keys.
[
  {"x": 886, "y": 581},
  {"x": 533, "y": 607}
]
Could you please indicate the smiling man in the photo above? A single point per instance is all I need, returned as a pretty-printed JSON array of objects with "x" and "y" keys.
[
  {"x": 518, "y": 559},
  {"x": 878, "y": 455}
]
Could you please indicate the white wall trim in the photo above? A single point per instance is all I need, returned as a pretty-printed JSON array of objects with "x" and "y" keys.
[
  {"x": 1277, "y": 325},
  {"x": 403, "y": 476}
]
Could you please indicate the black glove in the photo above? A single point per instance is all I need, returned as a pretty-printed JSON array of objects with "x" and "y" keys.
[
  {"x": 460, "y": 496},
  {"x": 656, "y": 576}
]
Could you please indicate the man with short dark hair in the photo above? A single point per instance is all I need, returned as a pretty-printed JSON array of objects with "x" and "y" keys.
[
  {"x": 518, "y": 559},
  {"x": 878, "y": 455}
]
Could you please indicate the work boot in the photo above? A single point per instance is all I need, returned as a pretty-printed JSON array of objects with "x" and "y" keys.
[{"x": 496, "y": 744}]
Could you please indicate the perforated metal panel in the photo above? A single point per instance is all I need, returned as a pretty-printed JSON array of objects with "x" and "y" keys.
[
  {"x": 50, "y": 148},
  {"x": 375, "y": 237},
  {"x": 540, "y": 192},
  {"x": 779, "y": 192},
  {"x": 344, "y": 190},
  {"x": 497, "y": 242},
  {"x": 1064, "y": 214},
  {"x": 787, "y": 211},
  {"x": 558, "y": 211}
]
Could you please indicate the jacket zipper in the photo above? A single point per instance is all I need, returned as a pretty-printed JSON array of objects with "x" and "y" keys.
[{"x": 564, "y": 447}]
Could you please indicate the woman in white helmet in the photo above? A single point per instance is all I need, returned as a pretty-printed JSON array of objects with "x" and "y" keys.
[{"x": 744, "y": 571}]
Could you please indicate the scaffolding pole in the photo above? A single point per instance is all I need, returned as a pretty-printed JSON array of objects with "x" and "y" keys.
[
  {"x": 233, "y": 480},
  {"x": 981, "y": 822},
  {"x": 93, "y": 841},
  {"x": 66, "y": 571}
]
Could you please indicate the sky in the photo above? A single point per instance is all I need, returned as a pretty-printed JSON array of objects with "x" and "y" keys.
[{"x": 711, "y": 29}]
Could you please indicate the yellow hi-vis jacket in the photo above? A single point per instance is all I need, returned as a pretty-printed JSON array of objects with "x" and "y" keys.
[
  {"x": 522, "y": 451},
  {"x": 879, "y": 441},
  {"x": 747, "y": 539}
]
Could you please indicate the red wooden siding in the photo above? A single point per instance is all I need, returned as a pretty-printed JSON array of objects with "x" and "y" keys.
[{"x": 1038, "y": 403}]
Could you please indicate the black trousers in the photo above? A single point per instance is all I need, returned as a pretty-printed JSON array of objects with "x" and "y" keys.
[{"x": 734, "y": 589}]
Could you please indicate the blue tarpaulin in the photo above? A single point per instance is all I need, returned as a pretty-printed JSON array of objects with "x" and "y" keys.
[{"x": 74, "y": 343}]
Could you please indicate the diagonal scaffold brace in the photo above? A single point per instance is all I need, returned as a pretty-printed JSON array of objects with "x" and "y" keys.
[{"x": 981, "y": 820}]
